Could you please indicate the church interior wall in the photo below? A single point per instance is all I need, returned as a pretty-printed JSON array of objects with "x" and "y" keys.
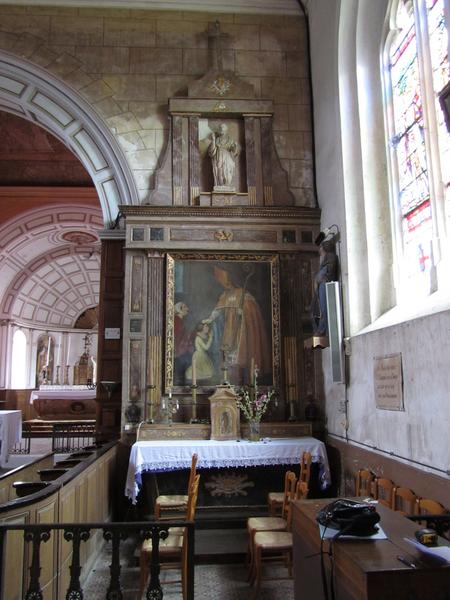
[
  {"x": 127, "y": 63},
  {"x": 413, "y": 436}
]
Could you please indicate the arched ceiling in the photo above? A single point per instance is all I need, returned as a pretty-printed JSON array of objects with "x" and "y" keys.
[{"x": 49, "y": 220}]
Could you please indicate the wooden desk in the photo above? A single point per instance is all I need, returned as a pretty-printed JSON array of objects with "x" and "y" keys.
[{"x": 364, "y": 569}]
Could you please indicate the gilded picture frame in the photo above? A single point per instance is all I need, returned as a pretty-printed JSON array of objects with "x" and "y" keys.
[{"x": 222, "y": 320}]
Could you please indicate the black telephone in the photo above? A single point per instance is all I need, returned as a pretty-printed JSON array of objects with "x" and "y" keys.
[{"x": 349, "y": 517}]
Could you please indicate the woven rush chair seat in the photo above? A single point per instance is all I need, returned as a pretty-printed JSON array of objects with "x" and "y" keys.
[
  {"x": 172, "y": 501},
  {"x": 174, "y": 541},
  {"x": 175, "y": 502},
  {"x": 255, "y": 524},
  {"x": 173, "y": 549},
  {"x": 273, "y": 540},
  {"x": 275, "y": 499},
  {"x": 273, "y": 546}
]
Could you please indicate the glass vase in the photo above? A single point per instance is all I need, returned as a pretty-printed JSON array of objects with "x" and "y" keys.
[{"x": 254, "y": 435}]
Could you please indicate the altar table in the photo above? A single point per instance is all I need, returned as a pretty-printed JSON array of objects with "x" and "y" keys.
[
  {"x": 161, "y": 456},
  {"x": 10, "y": 433},
  {"x": 64, "y": 402}
]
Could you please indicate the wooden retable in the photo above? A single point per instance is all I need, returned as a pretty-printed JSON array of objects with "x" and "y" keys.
[{"x": 365, "y": 569}]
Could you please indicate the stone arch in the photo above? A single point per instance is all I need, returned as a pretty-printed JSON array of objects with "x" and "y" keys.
[{"x": 35, "y": 94}]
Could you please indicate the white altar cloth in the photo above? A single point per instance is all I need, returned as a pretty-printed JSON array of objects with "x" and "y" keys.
[
  {"x": 61, "y": 392},
  {"x": 170, "y": 455},
  {"x": 10, "y": 433}
]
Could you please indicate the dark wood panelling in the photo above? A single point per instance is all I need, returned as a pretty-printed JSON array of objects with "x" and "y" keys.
[
  {"x": 110, "y": 351},
  {"x": 348, "y": 458}
]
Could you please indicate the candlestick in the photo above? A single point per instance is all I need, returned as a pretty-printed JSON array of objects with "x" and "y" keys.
[
  {"x": 194, "y": 404},
  {"x": 194, "y": 372},
  {"x": 252, "y": 371},
  {"x": 150, "y": 403},
  {"x": 150, "y": 373}
]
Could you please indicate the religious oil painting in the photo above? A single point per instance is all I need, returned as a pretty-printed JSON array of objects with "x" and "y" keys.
[{"x": 222, "y": 320}]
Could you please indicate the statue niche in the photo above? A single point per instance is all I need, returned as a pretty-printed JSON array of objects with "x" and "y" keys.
[
  {"x": 221, "y": 149},
  {"x": 222, "y": 156}
]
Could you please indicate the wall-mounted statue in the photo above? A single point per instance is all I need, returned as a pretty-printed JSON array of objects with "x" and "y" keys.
[
  {"x": 223, "y": 150},
  {"x": 328, "y": 271}
]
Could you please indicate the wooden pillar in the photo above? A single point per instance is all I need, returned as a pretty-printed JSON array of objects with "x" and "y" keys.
[
  {"x": 194, "y": 161},
  {"x": 250, "y": 154},
  {"x": 292, "y": 309},
  {"x": 155, "y": 324},
  {"x": 266, "y": 159},
  {"x": 109, "y": 358},
  {"x": 177, "y": 160}
]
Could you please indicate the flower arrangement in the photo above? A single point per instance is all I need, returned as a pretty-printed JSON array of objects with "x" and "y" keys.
[
  {"x": 253, "y": 407},
  {"x": 252, "y": 403}
]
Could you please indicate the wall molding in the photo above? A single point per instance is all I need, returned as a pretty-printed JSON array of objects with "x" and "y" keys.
[{"x": 284, "y": 7}]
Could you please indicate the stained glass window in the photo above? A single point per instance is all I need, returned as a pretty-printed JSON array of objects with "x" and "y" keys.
[
  {"x": 440, "y": 70},
  {"x": 413, "y": 59}
]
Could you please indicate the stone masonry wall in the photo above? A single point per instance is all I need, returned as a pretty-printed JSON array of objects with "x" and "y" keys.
[{"x": 127, "y": 63}]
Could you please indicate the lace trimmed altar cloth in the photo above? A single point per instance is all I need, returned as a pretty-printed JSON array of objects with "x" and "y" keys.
[{"x": 171, "y": 455}]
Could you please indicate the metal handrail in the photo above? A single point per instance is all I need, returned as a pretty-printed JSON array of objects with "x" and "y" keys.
[{"x": 78, "y": 533}]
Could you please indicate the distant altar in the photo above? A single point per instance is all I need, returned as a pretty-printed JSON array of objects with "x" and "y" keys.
[{"x": 64, "y": 402}]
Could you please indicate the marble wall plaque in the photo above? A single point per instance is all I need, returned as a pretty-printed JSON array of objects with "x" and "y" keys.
[{"x": 388, "y": 382}]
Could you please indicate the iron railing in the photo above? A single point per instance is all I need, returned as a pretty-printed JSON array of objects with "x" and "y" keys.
[
  {"x": 67, "y": 437},
  {"x": 78, "y": 533}
]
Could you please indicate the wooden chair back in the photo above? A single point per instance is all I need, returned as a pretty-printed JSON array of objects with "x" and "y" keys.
[
  {"x": 404, "y": 501},
  {"x": 305, "y": 467},
  {"x": 426, "y": 506},
  {"x": 190, "y": 514},
  {"x": 290, "y": 480},
  {"x": 364, "y": 483},
  {"x": 384, "y": 489},
  {"x": 193, "y": 471},
  {"x": 192, "y": 499},
  {"x": 301, "y": 490}
]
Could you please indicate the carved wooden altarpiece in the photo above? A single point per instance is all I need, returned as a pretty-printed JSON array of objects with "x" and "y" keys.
[{"x": 250, "y": 217}]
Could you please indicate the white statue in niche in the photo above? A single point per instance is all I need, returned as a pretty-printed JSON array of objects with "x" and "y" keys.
[{"x": 223, "y": 151}]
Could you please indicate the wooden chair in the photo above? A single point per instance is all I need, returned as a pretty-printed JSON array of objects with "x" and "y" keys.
[
  {"x": 384, "y": 489},
  {"x": 255, "y": 524},
  {"x": 275, "y": 499},
  {"x": 404, "y": 501},
  {"x": 175, "y": 502},
  {"x": 274, "y": 546},
  {"x": 365, "y": 483},
  {"x": 426, "y": 506},
  {"x": 173, "y": 548}
]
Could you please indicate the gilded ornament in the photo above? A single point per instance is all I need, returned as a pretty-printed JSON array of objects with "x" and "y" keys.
[
  {"x": 220, "y": 86},
  {"x": 220, "y": 107},
  {"x": 223, "y": 236}
]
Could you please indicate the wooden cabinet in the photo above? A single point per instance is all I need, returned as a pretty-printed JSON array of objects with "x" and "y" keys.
[{"x": 364, "y": 569}]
